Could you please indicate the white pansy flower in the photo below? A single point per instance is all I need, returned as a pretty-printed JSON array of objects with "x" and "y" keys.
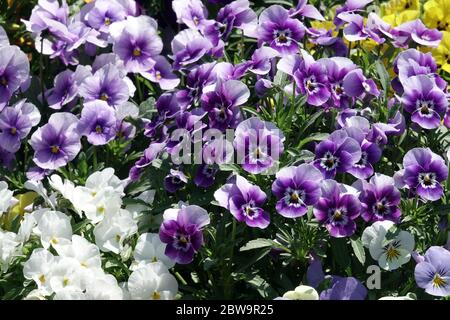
[
  {"x": 35, "y": 295},
  {"x": 83, "y": 251},
  {"x": 101, "y": 180},
  {"x": 111, "y": 232},
  {"x": 10, "y": 247},
  {"x": 54, "y": 226},
  {"x": 391, "y": 248},
  {"x": 6, "y": 197},
  {"x": 66, "y": 274},
  {"x": 70, "y": 294},
  {"x": 152, "y": 282},
  {"x": 96, "y": 205},
  {"x": 302, "y": 293},
  {"x": 104, "y": 287},
  {"x": 39, "y": 188},
  {"x": 38, "y": 268},
  {"x": 149, "y": 248},
  {"x": 66, "y": 188}
]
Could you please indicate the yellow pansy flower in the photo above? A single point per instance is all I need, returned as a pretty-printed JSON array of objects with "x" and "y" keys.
[
  {"x": 437, "y": 14},
  {"x": 398, "y": 6},
  {"x": 442, "y": 53},
  {"x": 396, "y": 19}
]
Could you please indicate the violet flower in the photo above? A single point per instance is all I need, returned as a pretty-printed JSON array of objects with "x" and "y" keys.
[
  {"x": 57, "y": 142},
  {"x": 380, "y": 199},
  {"x": 16, "y": 123},
  {"x": 433, "y": 273},
  {"x": 244, "y": 201},
  {"x": 418, "y": 32},
  {"x": 423, "y": 173},
  {"x": 14, "y": 71},
  {"x": 191, "y": 13},
  {"x": 306, "y": 10},
  {"x": 97, "y": 122},
  {"x": 357, "y": 85},
  {"x": 205, "y": 175},
  {"x": 337, "y": 154},
  {"x": 161, "y": 73},
  {"x": 279, "y": 31},
  {"x": 259, "y": 144},
  {"x": 296, "y": 188},
  {"x": 105, "y": 84},
  {"x": 103, "y": 13},
  {"x": 174, "y": 181},
  {"x": 348, "y": 288},
  {"x": 181, "y": 230},
  {"x": 66, "y": 86},
  {"x": 136, "y": 42},
  {"x": 188, "y": 47},
  {"x": 424, "y": 101},
  {"x": 337, "y": 208},
  {"x": 223, "y": 104},
  {"x": 311, "y": 79}
]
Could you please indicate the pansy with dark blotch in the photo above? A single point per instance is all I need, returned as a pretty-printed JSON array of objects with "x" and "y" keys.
[
  {"x": 296, "y": 188},
  {"x": 433, "y": 272}
]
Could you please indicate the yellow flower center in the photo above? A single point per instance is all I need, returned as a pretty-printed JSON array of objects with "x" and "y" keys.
[
  {"x": 156, "y": 295},
  {"x": 42, "y": 278},
  {"x": 137, "y": 52},
  {"x": 98, "y": 129},
  {"x": 54, "y": 149},
  {"x": 392, "y": 253},
  {"x": 65, "y": 282},
  {"x": 438, "y": 281},
  {"x": 4, "y": 81},
  {"x": 13, "y": 130},
  {"x": 107, "y": 21},
  {"x": 158, "y": 75},
  {"x": 104, "y": 97}
]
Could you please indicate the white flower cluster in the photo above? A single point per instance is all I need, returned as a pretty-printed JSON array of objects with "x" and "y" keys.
[{"x": 65, "y": 265}]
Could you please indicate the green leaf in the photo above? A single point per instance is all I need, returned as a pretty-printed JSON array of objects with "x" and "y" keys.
[
  {"x": 263, "y": 287},
  {"x": 358, "y": 249},
  {"x": 340, "y": 252},
  {"x": 147, "y": 107},
  {"x": 256, "y": 244},
  {"x": 383, "y": 75}
]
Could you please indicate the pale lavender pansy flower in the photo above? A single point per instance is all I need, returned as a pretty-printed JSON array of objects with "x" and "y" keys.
[
  {"x": 136, "y": 42},
  {"x": 103, "y": 13},
  {"x": 97, "y": 122},
  {"x": 191, "y": 13},
  {"x": 306, "y": 10},
  {"x": 433, "y": 273},
  {"x": 162, "y": 74},
  {"x": 188, "y": 47},
  {"x": 57, "y": 142},
  {"x": 417, "y": 32}
]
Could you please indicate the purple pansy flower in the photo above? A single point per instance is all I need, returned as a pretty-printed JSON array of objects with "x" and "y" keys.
[
  {"x": 16, "y": 123},
  {"x": 97, "y": 122},
  {"x": 433, "y": 273},
  {"x": 205, "y": 175},
  {"x": 14, "y": 71},
  {"x": 356, "y": 84},
  {"x": 337, "y": 154},
  {"x": 377, "y": 28},
  {"x": 188, "y": 47},
  {"x": 66, "y": 87},
  {"x": 350, "y": 6},
  {"x": 190, "y": 12},
  {"x": 337, "y": 68},
  {"x": 337, "y": 208},
  {"x": 150, "y": 154},
  {"x": 181, "y": 230},
  {"x": 223, "y": 103},
  {"x": 105, "y": 84},
  {"x": 162, "y": 74},
  {"x": 136, "y": 42},
  {"x": 261, "y": 60},
  {"x": 296, "y": 188},
  {"x": 418, "y": 32},
  {"x": 259, "y": 144},
  {"x": 103, "y": 13},
  {"x": 424, "y": 101},
  {"x": 311, "y": 79},
  {"x": 306, "y": 10},
  {"x": 175, "y": 180},
  {"x": 348, "y": 288},
  {"x": 57, "y": 142},
  {"x": 245, "y": 201},
  {"x": 47, "y": 10},
  {"x": 6, "y": 158},
  {"x": 380, "y": 199},
  {"x": 279, "y": 31},
  {"x": 423, "y": 173}
]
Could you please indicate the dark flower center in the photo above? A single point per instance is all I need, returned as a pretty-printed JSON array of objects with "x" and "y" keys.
[
  {"x": 13, "y": 131},
  {"x": 4, "y": 81},
  {"x": 98, "y": 129},
  {"x": 338, "y": 215},
  {"x": 310, "y": 85},
  {"x": 196, "y": 20},
  {"x": 282, "y": 36},
  {"x": 427, "y": 179},
  {"x": 329, "y": 161},
  {"x": 176, "y": 180},
  {"x": 182, "y": 241},
  {"x": 107, "y": 21},
  {"x": 54, "y": 149},
  {"x": 250, "y": 210},
  {"x": 294, "y": 197}
]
